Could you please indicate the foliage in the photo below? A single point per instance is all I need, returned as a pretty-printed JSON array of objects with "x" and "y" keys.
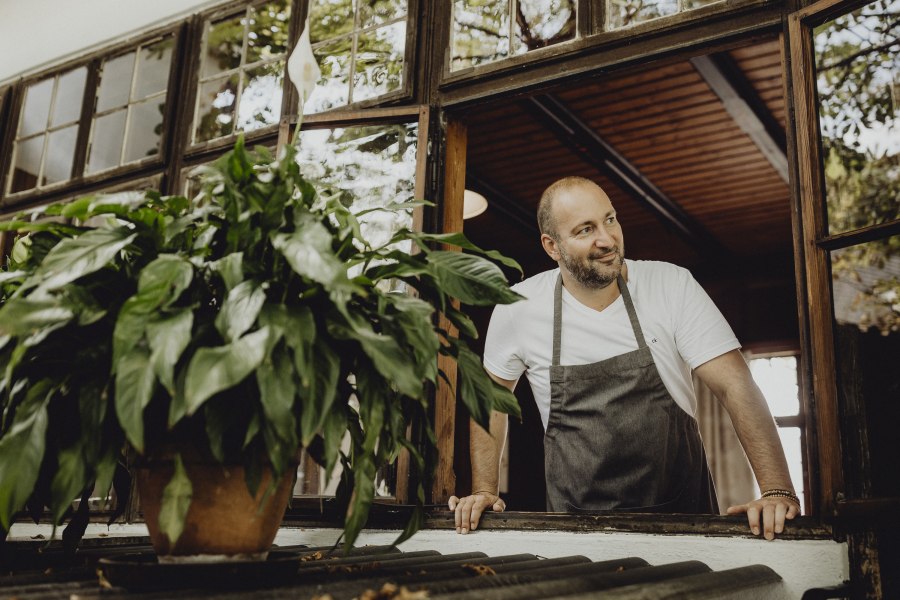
[
  {"x": 857, "y": 62},
  {"x": 233, "y": 323}
]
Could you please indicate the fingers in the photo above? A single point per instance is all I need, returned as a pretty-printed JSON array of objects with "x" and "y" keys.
[
  {"x": 467, "y": 511},
  {"x": 768, "y": 515},
  {"x": 780, "y": 512},
  {"x": 452, "y": 502},
  {"x": 753, "y": 517}
]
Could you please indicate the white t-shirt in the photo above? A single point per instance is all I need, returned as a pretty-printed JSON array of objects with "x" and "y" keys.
[{"x": 681, "y": 325}]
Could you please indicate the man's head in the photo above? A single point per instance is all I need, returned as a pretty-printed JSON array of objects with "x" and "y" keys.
[{"x": 579, "y": 230}]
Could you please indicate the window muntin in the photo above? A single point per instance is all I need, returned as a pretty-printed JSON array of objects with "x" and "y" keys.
[
  {"x": 360, "y": 46},
  {"x": 858, "y": 85},
  {"x": 44, "y": 147},
  {"x": 242, "y": 71},
  {"x": 129, "y": 113},
  {"x": 483, "y": 32}
]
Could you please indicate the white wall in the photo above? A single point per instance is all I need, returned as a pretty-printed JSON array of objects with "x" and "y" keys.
[{"x": 35, "y": 34}]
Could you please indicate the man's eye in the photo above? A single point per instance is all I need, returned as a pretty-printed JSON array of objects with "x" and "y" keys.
[
  {"x": 611, "y": 220},
  {"x": 584, "y": 230}
]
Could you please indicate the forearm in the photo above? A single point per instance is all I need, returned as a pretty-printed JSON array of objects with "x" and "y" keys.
[{"x": 486, "y": 449}]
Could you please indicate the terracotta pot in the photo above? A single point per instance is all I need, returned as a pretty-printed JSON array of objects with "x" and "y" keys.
[{"x": 223, "y": 521}]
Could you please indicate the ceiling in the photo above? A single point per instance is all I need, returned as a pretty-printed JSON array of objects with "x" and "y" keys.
[{"x": 725, "y": 201}]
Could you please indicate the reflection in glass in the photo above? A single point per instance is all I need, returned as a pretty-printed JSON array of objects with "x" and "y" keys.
[
  {"x": 481, "y": 28},
  {"x": 261, "y": 98},
  {"x": 365, "y": 167},
  {"x": 623, "y": 13},
  {"x": 115, "y": 82},
  {"x": 866, "y": 295},
  {"x": 329, "y": 19},
  {"x": 60, "y": 154},
  {"x": 36, "y": 108},
  {"x": 333, "y": 89},
  {"x": 777, "y": 379},
  {"x": 866, "y": 285},
  {"x": 153, "y": 69},
  {"x": 858, "y": 83},
  {"x": 267, "y": 38},
  {"x": 106, "y": 141},
  {"x": 379, "y": 61},
  {"x": 378, "y": 12},
  {"x": 69, "y": 97},
  {"x": 224, "y": 43},
  {"x": 144, "y": 129},
  {"x": 27, "y": 164},
  {"x": 215, "y": 111}
]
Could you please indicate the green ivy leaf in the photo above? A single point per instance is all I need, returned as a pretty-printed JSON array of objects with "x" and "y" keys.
[
  {"x": 212, "y": 370},
  {"x": 240, "y": 309},
  {"x": 176, "y": 502},
  {"x": 231, "y": 268},
  {"x": 308, "y": 251},
  {"x": 454, "y": 239},
  {"x": 364, "y": 472},
  {"x": 320, "y": 395},
  {"x": 69, "y": 480},
  {"x": 276, "y": 393},
  {"x": 477, "y": 389},
  {"x": 23, "y": 316},
  {"x": 135, "y": 382}
]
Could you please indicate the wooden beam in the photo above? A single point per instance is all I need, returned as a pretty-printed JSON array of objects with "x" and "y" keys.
[
  {"x": 744, "y": 105},
  {"x": 579, "y": 137}
]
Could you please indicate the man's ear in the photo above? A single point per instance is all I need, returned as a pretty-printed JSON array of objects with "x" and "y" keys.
[{"x": 550, "y": 246}]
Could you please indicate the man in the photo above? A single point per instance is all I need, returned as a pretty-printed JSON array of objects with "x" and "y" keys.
[{"x": 608, "y": 346}]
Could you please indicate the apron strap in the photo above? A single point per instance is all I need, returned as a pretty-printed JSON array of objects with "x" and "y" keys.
[{"x": 557, "y": 317}]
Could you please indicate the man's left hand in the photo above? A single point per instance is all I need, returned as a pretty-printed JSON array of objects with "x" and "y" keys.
[{"x": 773, "y": 512}]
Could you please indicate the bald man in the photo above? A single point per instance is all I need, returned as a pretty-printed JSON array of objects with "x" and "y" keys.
[{"x": 609, "y": 346}]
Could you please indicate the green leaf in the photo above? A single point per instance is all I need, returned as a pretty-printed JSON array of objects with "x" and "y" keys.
[
  {"x": 176, "y": 502},
  {"x": 69, "y": 480},
  {"x": 461, "y": 321},
  {"x": 231, "y": 268},
  {"x": 385, "y": 352},
  {"x": 472, "y": 279},
  {"x": 413, "y": 324},
  {"x": 455, "y": 239},
  {"x": 333, "y": 430},
  {"x": 213, "y": 370},
  {"x": 299, "y": 326},
  {"x": 361, "y": 500},
  {"x": 320, "y": 395},
  {"x": 76, "y": 257},
  {"x": 240, "y": 309},
  {"x": 168, "y": 339},
  {"x": 22, "y": 451},
  {"x": 135, "y": 382},
  {"x": 276, "y": 394},
  {"x": 308, "y": 251},
  {"x": 22, "y": 316},
  {"x": 475, "y": 386}
]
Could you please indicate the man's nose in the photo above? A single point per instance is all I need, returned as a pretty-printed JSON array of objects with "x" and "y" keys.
[{"x": 603, "y": 239}]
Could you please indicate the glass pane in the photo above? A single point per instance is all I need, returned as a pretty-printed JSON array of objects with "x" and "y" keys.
[
  {"x": 793, "y": 451},
  {"x": 224, "y": 44},
  {"x": 866, "y": 294},
  {"x": 377, "y": 12},
  {"x": 541, "y": 23},
  {"x": 145, "y": 129},
  {"x": 60, "y": 154},
  {"x": 215, "y": 110},
  {"x": 333, "y": 88},
  {"x": 777, "y": 378},
  {"x": 153, "y": 69},
  {"x": 27, "y": 165},
  {"x": 480, "y": 32},
  {"x": 106, "y": 141},
  {"x": 268, "y": 35},
  {"x": 628, "y": 12},
  {"x": 37, "y": 107},
  {"x": 329, "y": 18},
  {"x": 690, "y": 4},
  {"x": 261, "y": 98},
  {"x": 69, "y": 97},
  {"x": 115, "y": 82},
  {"x": 866, "y": 286},
  {"x": 859, "y": 114},
  {"x": 370, "y": 166},
  {"x": 379, "y": 61}
]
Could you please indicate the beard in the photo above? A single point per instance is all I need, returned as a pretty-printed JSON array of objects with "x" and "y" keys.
[{"x": 589, "y": 272}]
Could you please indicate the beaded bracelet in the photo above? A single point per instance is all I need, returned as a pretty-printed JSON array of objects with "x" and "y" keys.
[{"x": 779, "y": 493}]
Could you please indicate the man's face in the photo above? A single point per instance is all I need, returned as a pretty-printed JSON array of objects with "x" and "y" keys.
[{"x": 589, "y": 242}]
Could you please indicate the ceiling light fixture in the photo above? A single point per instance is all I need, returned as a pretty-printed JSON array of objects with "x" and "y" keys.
[{"x": 473, "y": 204}]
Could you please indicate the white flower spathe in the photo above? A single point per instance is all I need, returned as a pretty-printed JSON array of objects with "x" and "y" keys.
[{"x": 302, "y": 67}]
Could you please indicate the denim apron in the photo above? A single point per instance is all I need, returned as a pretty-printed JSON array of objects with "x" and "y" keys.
[{"x": 616, "y": 439}]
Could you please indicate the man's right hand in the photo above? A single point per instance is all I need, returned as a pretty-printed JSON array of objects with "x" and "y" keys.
[{"x": 468, "y": 510}]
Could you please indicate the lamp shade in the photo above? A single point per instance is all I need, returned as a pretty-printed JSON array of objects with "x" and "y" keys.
[{"x": 473, "y": 204}]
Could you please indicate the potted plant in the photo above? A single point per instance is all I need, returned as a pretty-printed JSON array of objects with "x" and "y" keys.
[{"x": 233, "y": 330}]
